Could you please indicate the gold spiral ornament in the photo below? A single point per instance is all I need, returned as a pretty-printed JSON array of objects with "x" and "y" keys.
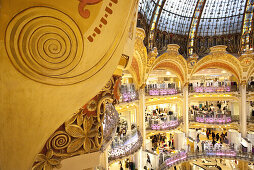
[
  {"x": 59, "y": 140},
  {"x": 45, "y": 45}
]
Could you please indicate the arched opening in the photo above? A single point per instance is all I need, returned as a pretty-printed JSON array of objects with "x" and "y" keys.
[
  {"x": 162, "y": 82},
  {"x": 250, "y": 99},
  {"x": 213, "y": 98}
]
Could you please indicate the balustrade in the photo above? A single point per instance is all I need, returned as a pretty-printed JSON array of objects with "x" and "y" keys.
[
  {"x": 165, "y": 125},
  {"x": 162, "y": 92},
  {"x": 183, "y": 156},
  {"x": 210, "y": 119},
  {"x": 202, "y": 89},
  {"x": 129, "y": 147}
]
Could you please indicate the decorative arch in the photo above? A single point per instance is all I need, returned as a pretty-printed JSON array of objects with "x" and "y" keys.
[
  {"x": 172, "y": 61},
  {"x": 139, "y": 59},
  {"x": 219, "y": 58},
  {"x": 250, "y": 68}
]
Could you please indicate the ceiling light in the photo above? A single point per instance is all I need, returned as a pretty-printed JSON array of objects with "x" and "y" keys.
[{"x": 168, "y": 73}]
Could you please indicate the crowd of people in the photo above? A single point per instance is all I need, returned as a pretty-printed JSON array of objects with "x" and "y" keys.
[
  {"x": 215, "y": 83},
  {"x": 210, "y": 108},
  {"x": 216, "y": 137},
  {"x": 160, "y": 142},
  {"x": 128, "y": 164},
  {"x": 158, "y": 116}
]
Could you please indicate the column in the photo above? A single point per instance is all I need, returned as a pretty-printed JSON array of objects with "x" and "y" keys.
[
  {"x": 243, "y": 115},
  {"x": 185, "y": 109},
  {"x": 141, "y": 115}
]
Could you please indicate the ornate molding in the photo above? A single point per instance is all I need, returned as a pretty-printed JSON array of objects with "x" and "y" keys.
[
  {"x": 139, "y": 60},
  {"x": 218, "y": 49},
  {"x": 82, "y": 133},
  {"x": 173, "y": 49},
  {"x": 151, "y": 57},
  {"x": 171, "y": 60},
  {"x": 219, "y": 58},
  {"x": 243, "y": 83}
]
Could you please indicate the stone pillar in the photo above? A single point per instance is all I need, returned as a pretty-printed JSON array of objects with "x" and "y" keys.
[
  {"x": 141, "y": 115},
  {"x": 185, "y": 109},
  {"x": 243, "y": 114}
]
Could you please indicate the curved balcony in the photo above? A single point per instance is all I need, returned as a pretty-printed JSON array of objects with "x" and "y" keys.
[
  {"x": 210, "y": 119},
  {"x": 223, "y": 89},
  {"x": 128, "y": 93},
  {"x": 129, "y": 96},
  {"x": 163, "y": 125},
  {"x": 235, "y": 118},
  {"x": 131, "y": 144},
  {"x": 162, "y": 91},
  {"x": 184, "y": 156},
  {"x": 110, "y": 122}
]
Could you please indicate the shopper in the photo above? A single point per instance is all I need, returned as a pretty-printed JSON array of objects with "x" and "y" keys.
[
  {"x": 207, "y": 134},
  {"x": 198, "y": 138},
  {"x": 169, "y": 143},
  {"x": 217, "y": 136},
  {"x": 148, "y": 160},
  {"x": 214, "y": 142},
  {"x": 213, "y": 135}
]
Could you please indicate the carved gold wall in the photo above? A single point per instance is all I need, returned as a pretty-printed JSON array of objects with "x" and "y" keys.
[{"x": 55, "y": 56}]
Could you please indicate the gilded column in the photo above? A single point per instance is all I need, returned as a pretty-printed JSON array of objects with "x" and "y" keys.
[
  {"x": 141, "y": 115},
  {"x": 243, "y": 115},
  {"x": 185, "y": 109}
]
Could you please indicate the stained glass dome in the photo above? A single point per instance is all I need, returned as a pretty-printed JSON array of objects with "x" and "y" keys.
[{"x": 217, "y": 22}]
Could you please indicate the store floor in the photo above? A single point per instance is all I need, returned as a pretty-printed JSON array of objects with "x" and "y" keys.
[{"x": 210, "y": 164}]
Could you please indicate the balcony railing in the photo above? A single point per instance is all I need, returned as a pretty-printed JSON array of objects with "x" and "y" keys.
[
  {"x": 129, "y": 96},
  {"x": 110, "y": 123},
  {"x": 163, "y": 125},
  {"x": 235, "y": 118},
  {"x": 122, "y": 140},
  {"x": 184, "y": 156},
  {"x": 219, "y": 119},
  {"x": 202, "y": 89},
  {"x": 162, "y": 91},
  {"x": 250, "y": 88},
  {"x": 131, "y": 146}
]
